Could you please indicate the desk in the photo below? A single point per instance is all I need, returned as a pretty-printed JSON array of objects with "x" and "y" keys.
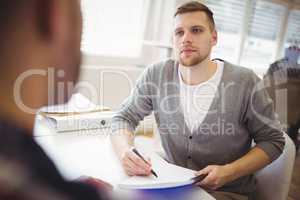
[{"x": 90, "y": 153}]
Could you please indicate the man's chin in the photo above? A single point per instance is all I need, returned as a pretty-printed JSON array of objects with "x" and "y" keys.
[
  {"x": 189, "y": 63},
  {"x": 192, "y": 61}
]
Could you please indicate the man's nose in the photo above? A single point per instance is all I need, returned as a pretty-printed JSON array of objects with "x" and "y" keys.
[{"x": 187, "y": 38}]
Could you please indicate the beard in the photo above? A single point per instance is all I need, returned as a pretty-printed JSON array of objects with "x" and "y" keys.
[{"x": 193, "y": 60}]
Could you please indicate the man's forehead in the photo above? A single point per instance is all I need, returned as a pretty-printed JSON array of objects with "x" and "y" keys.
[{"x": 191, "y": 19}]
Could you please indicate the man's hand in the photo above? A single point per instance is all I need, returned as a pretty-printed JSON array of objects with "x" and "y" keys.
[
  {"x": 134, "y": 165},
  {"x": 216, "y": 177}
]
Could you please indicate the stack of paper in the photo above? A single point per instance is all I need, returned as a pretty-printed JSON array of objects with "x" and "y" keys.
[
  {"x": 169, "y": 175},
  {"x": 78, "y": 114}
]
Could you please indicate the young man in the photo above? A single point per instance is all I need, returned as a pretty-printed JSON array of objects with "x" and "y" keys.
[
  {"x": 38, "y": 37},
  {"x": 208, "y": 112}
]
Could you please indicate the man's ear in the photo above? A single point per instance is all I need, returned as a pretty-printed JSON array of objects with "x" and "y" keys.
[
  {"x": 51, "y": 19},
  {"x": 42, "y": 11},
  {"x": 214, "y": 37}
]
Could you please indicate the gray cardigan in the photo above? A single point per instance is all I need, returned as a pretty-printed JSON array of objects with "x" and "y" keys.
[{"x": 240, "y": 113}]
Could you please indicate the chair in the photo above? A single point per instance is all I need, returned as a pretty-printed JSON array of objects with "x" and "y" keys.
[{"x": 273, "y": 181}]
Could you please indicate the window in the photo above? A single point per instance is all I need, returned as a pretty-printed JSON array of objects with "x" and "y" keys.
[
  {"x": 251, "y": 30},
  {"x": 293, "y": 29},
  {"x": 228, "y": 16},
  {"x": 138, "y": 32},
  {"x": 113, "y": 28},
  {"x": 263, "y": 33}
]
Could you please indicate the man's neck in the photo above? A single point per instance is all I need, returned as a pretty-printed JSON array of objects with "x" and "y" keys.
[{"x": 202, "y": 72}]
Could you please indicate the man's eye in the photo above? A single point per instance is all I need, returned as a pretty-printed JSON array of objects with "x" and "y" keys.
[
  {"x": 196, "y": 30},
  {"x": 179, "y": 33}
]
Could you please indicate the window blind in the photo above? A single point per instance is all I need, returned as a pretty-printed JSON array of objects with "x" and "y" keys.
[
  {"x": 263, "y": 32},
  {"x": 293, "y": 31},
  {"x": 228, "y": 14},
  {"x": 266, "y": 20}
]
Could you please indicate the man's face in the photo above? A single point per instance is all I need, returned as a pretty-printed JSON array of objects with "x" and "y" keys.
[{"x": 193, "y": 39}]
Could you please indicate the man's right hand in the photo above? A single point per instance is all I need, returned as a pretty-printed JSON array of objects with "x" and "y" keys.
[{"x": 134, "y": 165}]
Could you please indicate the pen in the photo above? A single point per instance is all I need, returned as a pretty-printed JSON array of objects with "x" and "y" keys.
[{"x": 139, "y": 155}]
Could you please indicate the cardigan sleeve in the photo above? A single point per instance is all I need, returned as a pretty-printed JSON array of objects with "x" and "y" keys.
[
  {"x": 137, "y": 106},
  {"x": 261, "y": 120}
]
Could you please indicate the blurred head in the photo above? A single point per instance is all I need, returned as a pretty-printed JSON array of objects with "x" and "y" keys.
[
  {"x": 194, "y": 33},
  {"x": 39, "y": 55},
  {"x": 42, "y": 35}
]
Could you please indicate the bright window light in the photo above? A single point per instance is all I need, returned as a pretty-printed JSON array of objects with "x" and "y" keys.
[
  {"x": 113, "y": 28},
  {"x": 261, "y": 44},
  {"x": 229, "y": 16}
]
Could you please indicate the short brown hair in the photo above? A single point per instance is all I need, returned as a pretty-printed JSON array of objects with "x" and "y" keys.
[{"x": 194, "y": 6}]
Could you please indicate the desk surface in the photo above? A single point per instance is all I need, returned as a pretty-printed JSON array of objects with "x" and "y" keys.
[{"x": 90, "y": 153}]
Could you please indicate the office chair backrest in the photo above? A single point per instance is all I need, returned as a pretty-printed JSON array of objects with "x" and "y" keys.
[{"x": 273, "y": 181}]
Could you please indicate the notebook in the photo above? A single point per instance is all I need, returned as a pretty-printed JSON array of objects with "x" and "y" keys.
[
  {"x": 78, "y": 114},
  {"x": 169, "y": 176}
]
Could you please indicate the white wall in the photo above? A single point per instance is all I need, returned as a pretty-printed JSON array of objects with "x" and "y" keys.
[{"x": 108, "y": 85}]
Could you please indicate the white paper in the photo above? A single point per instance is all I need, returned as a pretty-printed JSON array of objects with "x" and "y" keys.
[
  {"x": 77, "y": 103},
  {"x": 169, "y": 175}
]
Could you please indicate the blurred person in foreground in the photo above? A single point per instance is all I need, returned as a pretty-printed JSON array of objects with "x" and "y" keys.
[{"x": 38, "y": 37}]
